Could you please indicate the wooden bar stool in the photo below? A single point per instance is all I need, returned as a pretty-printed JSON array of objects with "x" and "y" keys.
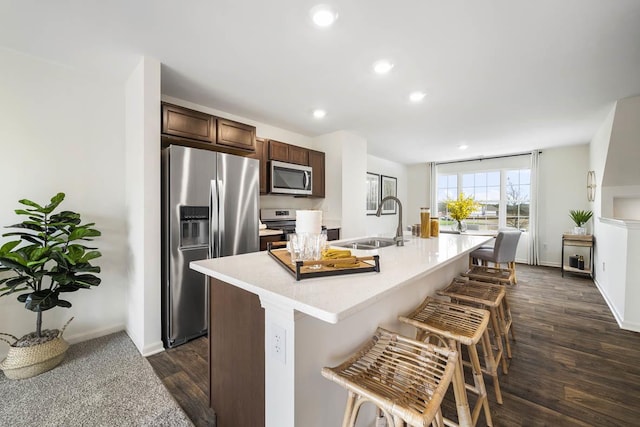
[
  {"x": 505, "y": 308},
  {"x": 491, "y": 297},
  {"x": 403, "y": 378},
  {"x": 460, "y": 325}
]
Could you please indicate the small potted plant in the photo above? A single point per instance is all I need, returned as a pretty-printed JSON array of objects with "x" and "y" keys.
[
  {"x": 460, "y": 209},
  {"x": 47, "y": 259},
  {"x": 580, "y": 218}
]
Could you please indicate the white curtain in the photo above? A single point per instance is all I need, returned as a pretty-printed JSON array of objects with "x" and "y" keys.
[
  {"x": 533, "y": 210},
  {"x": 433, "y": 169}
]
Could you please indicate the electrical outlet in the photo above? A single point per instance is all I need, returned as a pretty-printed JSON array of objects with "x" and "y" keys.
[{"x": 278, "y": 343}]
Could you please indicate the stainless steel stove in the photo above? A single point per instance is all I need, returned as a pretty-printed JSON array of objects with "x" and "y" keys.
[{"x": 279, "y": 219}]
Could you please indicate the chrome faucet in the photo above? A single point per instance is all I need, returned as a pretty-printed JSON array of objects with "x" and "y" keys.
[{"x": 399, "y": 239}]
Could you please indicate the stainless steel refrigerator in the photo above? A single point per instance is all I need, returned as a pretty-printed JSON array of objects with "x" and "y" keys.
[{"x": 209, "y": 210}]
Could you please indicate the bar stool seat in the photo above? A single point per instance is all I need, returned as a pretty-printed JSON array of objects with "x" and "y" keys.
[
  {"x": 405, "y": 379},
  {"x": 460, "y": 325},
  {"x": 491, "y": 297},
  {"x": 485, "y": 273}
]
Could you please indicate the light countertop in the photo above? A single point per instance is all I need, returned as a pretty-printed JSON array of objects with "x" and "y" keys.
[
  {"x": 334, "y": 298},
  {"x": 269, "y": 232}
]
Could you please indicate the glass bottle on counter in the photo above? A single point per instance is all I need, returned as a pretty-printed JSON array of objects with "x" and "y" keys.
[
  {"x": 435, "y": 227},
  {"x": 425, "y": 222}
]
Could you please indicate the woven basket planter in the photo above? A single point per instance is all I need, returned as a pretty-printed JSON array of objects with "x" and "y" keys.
[{"x": 27, "y": 362}]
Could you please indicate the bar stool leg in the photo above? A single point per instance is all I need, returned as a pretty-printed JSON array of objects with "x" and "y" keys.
[
  {"x": 508, "y": 318},
  {"x": 492, "y": 366},
  {"x": 504, "y": 329},
  {"x": 497, "y": 334},
  {"x": 349, "y": 416},
  {"x": 460, "y": 393},
  {"x": 478, "y": 381}
]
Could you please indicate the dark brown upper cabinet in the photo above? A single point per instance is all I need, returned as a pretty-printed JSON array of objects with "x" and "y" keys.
[
  {"x": 288, "y": 153},
  {"x": 186, "y": 123},
  {"x": 298, "y": 155},
  {"x": 316, "y": 161},
  {"x": 184, "y": 126},
  {"x": 236, "y": 135},
  {"x": 278, "y": 151}
]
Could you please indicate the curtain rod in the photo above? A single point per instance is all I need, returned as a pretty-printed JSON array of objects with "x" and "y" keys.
[{"x": 479, "y": 159}]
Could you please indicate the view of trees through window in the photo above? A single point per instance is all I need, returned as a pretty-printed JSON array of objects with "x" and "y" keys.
[{"x": 504, "y": 197}]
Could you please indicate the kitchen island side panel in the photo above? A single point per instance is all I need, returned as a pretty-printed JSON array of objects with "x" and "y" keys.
[
  {"x": 320, "y": 402},
  {"x": 236, "y": 356}
]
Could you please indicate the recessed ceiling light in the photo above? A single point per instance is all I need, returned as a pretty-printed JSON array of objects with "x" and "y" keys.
[
  {"x": 383, "y": 66},
  {"x": 416, "y": 96},
  {"x": 463, "y": 146},
  {"x": 323, "y": 15},
  {"x": 319, "y": 114}
]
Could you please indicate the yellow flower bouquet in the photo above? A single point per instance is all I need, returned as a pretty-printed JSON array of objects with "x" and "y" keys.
[{"x": 461, "y": 209}]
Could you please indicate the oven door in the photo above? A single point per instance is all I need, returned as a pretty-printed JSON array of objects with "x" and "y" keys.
[{"x": 287, "y": 178}]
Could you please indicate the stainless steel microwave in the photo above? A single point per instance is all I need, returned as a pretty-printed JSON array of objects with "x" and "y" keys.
[{"x": 287, "y": 178}]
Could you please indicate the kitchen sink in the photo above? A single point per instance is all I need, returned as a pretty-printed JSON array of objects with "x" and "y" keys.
[{"x": 368, "y": 243}]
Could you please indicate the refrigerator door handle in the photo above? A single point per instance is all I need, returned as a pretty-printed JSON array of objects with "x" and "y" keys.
[
  {"x": 214, "y": 246},
  {"x": 221, "y": 208}
]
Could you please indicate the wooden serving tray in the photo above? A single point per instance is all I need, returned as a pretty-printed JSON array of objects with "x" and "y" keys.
[{"x": 303, "y": 270}]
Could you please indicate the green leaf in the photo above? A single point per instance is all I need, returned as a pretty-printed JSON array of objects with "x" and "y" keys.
[
  {"x": 90, "y": 255},
  {"x": 63, "y": 303},
  {"x": 23, "y": 297},
  {"x": 14, "y": 262},
  {"x": 88, "y": 279},
  {"x": 41, "y": 300},
  {"x": 55, "y": 201},
  {"x": 12, "y": 291},
  {"x": 31, "y": 214},
  {"x": 8, "y": 247},
  {"x": 27, "y": 202}
]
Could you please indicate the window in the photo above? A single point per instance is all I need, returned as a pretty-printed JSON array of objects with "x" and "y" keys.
[
  {"x": 504, "y": 196},
  {"x": 447, "y": 189},
  {"x": 518, "y": 198}
]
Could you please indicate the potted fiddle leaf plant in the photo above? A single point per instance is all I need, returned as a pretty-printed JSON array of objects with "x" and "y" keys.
[
  {"x": 580, "y": 218},
  {"x": 45, "y": 259}
]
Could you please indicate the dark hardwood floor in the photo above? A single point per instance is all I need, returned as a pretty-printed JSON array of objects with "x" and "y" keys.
[
  {"x": 572, "y": 365},
  {"x": 184, "y": 372}
]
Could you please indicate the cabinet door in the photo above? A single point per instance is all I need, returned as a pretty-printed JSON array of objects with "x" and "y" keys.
[
  {"x": 236, "y": 135},
  {"x": 316, "y": 161},
  {"x": 278, "y": 151},
  {"x": 262, "y": 154},
  {"x": 298, "y": 155},
  {"x": 186, "y": 123}
]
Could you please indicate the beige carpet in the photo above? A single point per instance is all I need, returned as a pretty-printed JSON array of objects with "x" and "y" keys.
[{"x": 101, "y": 382}]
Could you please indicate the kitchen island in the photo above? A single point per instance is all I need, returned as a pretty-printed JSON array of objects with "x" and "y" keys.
[{"x": 309, "y": 324}]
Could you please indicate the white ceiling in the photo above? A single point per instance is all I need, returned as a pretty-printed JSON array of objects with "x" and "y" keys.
[{"x": 503, "y": 76}]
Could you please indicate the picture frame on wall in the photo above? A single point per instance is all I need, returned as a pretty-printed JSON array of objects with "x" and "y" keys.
[
  {"x": 389, "y": 187},
  {"x": 373, "y": 192}
]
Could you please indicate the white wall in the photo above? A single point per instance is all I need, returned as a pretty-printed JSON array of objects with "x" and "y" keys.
[
  {"x": 418, "y": 191},
  {"x": 62, "y": 130},
  {"x": 345, "y": 185},
  {"x": 617, "y": 251},
  {"x": 386, "y": 224},
  {"x": 562, "y": 187},
  {"x": 142, "y": 150}
]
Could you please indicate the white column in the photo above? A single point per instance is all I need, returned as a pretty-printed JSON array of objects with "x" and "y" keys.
[{"x": 279, "y": 342}]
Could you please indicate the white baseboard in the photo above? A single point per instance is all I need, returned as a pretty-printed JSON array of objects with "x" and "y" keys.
[
  {"x": 153, "y": 348},
  {"x": 96, "y": 333},
  {"x": 626, "y": 325}
]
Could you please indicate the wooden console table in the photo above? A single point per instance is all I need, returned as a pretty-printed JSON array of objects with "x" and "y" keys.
[{"x": 585, "y": 241}]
